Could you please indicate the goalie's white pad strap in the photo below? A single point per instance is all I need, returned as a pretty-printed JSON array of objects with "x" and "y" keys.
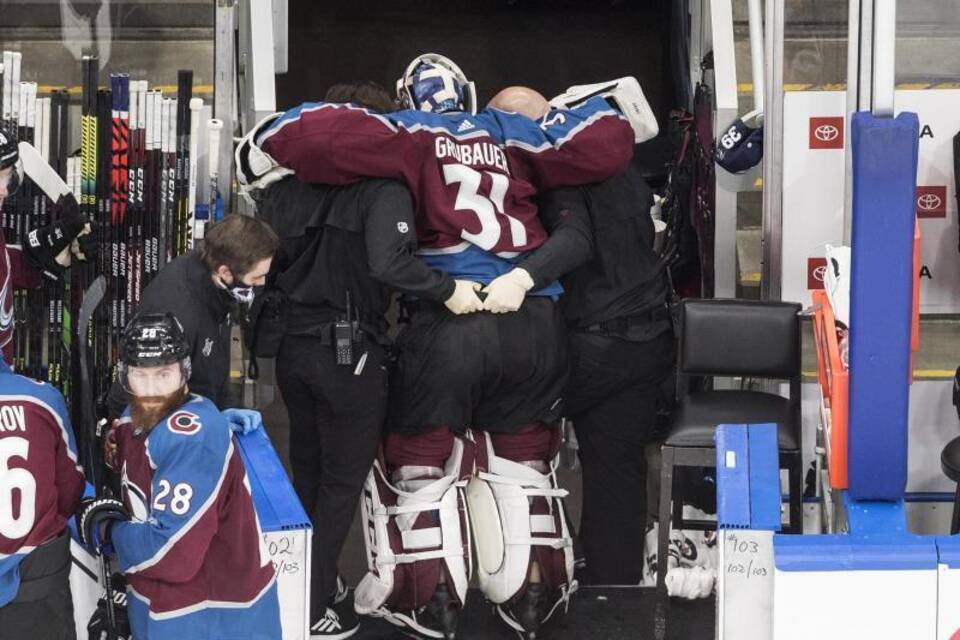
[
  {"x": 399, "y": 511},
  {"x": 625, "y": 93},
  {"x": 504, "y": 532}
]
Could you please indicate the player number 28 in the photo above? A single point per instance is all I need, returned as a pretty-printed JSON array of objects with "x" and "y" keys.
[
  {"x": 179, "y": 501},
  {"x": 20, "y": 480},
  {"x": 486, "y": 207}
]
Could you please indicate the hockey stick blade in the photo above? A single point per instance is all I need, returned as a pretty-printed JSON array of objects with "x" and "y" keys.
[{"x": 42, "y": 173}]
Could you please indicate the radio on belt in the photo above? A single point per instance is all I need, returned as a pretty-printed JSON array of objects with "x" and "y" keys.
[{"x": 344, "y": 331}]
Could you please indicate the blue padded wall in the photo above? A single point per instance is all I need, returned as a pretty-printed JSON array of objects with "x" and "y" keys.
[{"x": 881, "y": 295}]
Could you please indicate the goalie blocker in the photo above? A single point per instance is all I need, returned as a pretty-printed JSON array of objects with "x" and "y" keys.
[{"x": 624, "y": 95}]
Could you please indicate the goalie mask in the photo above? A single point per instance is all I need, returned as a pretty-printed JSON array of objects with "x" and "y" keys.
[
  {"x": 11, "y": 169},
  {"x": 435, "y": 84}
]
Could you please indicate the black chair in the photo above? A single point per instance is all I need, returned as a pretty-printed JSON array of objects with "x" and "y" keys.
[
  {"x": 730, "y": 338},
  {"x": 950, "y": 463}
]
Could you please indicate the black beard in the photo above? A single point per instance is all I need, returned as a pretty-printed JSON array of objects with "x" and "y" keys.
[{"x": 147, "y": 411}]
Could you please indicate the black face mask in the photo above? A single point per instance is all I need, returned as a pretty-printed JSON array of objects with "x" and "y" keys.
[{"x": 242, "y": 293}]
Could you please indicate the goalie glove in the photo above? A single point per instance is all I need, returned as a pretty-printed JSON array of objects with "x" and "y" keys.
[
  {"x": 624, "y": 95},
  {"x": 94, "y": 517},
  {"x": 99, "y": 626},
  {"x": 506, "y": 292},
  {"x": 48, "y": 247},
  {"x": 256, "y": 169}
]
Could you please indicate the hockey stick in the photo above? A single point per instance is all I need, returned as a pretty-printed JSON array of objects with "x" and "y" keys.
[
  {"x": 92, "y": 427},
  {"x": 196, "y": 104},
  {"x": 214, "y": 126}
]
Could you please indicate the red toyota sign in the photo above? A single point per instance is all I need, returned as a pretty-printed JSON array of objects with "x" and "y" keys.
[
  {"x": 931, "y": 202},
  {"x": 826, "y": 133},
  {"x": 816, "y": 272}
]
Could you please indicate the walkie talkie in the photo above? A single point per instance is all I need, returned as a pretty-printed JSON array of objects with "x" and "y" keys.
[{"x": 343, "y": 337}]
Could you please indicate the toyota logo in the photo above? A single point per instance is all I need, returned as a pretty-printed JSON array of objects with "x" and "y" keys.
[
  {"x": 826, "y": 132},
  {"x": 929, "y": 202},
  {"x": 820, "y": 273}
]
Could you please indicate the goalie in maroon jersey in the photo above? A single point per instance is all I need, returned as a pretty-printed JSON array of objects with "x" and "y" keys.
[{"x": 473, "y": 391}]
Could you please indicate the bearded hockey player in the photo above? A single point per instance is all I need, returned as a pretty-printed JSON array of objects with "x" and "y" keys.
[
  {"x": 48, "y": 249},
  {"x": 186, "y": 534},
  {"x": 473, "y": 177},
  {"x": 40, "y": 486}
]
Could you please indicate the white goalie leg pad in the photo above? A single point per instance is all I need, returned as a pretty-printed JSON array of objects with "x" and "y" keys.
[
  {"x": 390, "y": 511},
  {"x": 626, "y": 96},
  {"x": 505, "y": 526}
]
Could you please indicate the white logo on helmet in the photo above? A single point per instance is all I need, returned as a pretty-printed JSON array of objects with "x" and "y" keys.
[
  {"x": 826, "y": 133},
  {"x": 929, "y": 202},
  {"x": 730, "y": 138}
]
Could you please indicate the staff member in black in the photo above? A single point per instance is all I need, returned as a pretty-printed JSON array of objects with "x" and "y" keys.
[
  {"x": 201, "y": 288},
  {"x": 338, "y": 244},
  {"x": 621, "y": 348}
]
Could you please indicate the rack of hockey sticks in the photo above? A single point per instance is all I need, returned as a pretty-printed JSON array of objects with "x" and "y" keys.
[{"x": 134, "y": 174}]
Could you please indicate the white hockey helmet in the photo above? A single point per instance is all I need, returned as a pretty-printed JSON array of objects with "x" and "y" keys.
[{"x": 434, "y": 83}]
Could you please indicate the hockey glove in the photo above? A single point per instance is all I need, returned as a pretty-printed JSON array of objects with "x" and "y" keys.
[
  {"x": 94, "y": 518},
  {"x": 99, "y": 626},
  {"x": 506, "y": 292},
  {"x": 243, "y": 421},
  {"x": 48, "y": 247},
  {"x": 464, "y": 298}
]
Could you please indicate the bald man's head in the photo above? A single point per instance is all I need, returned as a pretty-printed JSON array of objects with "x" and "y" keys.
[{"x": 522, "y": 100}]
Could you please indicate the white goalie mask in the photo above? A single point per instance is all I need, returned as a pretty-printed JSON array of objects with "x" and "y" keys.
[{"x": 435, "y": 84}]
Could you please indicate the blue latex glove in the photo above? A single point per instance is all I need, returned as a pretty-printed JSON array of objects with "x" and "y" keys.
[{"x": 243, "y": 421}]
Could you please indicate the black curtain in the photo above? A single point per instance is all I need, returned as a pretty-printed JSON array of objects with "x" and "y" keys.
[{"x": 546, "y": 44}]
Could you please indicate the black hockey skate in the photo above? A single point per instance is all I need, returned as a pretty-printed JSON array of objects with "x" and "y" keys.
[
  {"x": 436, "y": 619},
  {"x": 526, "y": 614},
  {"x": 442, "y": 612}
]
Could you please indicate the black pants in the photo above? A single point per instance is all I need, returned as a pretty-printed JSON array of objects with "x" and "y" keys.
[
  {"x": 336, "y": 416},
  {"x": 495, "y": 372},
  {"x": 612, "y": 399},
  {"x": 43, "y": 608}
]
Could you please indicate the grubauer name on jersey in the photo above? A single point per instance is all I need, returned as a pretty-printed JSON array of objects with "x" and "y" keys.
[
  {"x": 193, "y": 548},
  {"x": 473, "y": 177},
  {"x": 40, "y": 479}
]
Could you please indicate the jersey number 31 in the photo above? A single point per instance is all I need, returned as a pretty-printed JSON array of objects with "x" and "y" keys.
[{"x": 486, "y": 207}]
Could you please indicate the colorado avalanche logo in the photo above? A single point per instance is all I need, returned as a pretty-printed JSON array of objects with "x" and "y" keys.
[
  {"x": 135, "y": 497},
  {"x": 184, "y": 422}
]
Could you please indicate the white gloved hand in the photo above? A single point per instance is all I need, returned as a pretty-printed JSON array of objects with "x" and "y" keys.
[
  {"x": 506, "y": 292},
  {"x": 464, "y": 298}
]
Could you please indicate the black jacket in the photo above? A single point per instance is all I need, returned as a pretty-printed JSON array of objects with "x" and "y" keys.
[
  {"x": 601, "y": 248},
  {"x": 184, "y": 287},
  {"x": 359, "y": 237}
]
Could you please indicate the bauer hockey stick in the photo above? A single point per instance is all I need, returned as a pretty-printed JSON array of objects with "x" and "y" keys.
[{"x": 92, "y": 298}]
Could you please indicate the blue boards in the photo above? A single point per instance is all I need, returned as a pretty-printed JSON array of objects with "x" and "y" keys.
[{"x": 881, "y": 300}]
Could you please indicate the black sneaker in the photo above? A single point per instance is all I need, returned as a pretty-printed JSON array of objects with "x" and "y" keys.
[{"x": 339, "y": 621}]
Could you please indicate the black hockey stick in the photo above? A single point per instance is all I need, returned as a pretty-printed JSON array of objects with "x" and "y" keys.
[{"x": 92, "y": 298}]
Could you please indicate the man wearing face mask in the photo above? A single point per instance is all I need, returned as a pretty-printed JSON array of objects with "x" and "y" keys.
[{"x": 201, "y": 289}]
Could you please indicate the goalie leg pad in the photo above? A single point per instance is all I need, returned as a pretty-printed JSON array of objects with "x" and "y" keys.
[
  {"x": 625, "y": 95},
  {"x": 415, "y": 531},
  {"x": 517, "y": 513}
]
